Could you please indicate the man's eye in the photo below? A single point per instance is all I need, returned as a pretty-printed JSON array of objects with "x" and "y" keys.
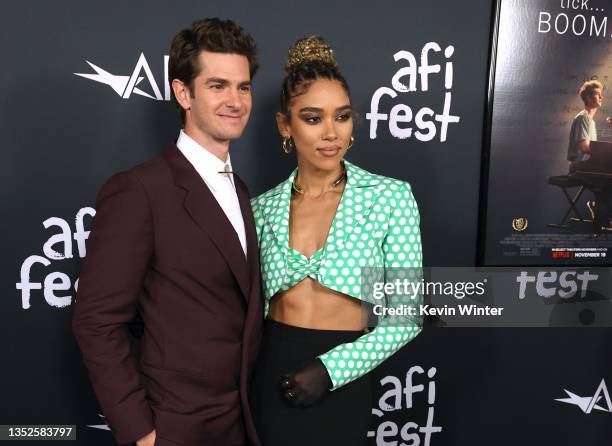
[
  {"x": 216, "y": 86},
  {"x": 245, "y": 89}
]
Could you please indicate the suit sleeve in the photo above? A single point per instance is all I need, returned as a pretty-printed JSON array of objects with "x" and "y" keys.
[
  {"x": 401, "y": 250},
  {"x": 119, "y": 249}
]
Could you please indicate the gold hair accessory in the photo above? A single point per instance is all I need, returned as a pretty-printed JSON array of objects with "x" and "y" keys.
[
  {"x": 309, "y": 49},
  {"x": 297, "y": 188},
  {"x": 287, "y": 145}
]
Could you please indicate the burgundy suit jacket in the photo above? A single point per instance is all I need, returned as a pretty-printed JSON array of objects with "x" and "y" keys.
[{"x": 162, "y": 247}]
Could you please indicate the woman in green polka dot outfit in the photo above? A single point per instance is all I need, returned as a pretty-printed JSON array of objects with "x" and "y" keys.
[{"x": 326, "y": 235}]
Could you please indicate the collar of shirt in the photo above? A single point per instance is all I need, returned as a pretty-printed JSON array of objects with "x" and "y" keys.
[{"x": 205, "y": 163}]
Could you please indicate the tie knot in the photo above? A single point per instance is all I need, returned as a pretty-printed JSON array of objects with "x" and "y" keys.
[{"x": 227, "y": 171}]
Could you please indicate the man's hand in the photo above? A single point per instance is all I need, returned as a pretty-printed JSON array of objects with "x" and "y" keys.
[
  {"x": 147, "y": 440},
  {"x": 306, "y": 386}
]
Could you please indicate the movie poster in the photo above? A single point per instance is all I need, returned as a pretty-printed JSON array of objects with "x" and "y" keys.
[{"x": 548, "y": 173}]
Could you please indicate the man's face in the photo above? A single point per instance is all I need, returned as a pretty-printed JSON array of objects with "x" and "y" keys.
[
  {"x": 220, "y": 98},
  {"x": 595, "y": 99}
]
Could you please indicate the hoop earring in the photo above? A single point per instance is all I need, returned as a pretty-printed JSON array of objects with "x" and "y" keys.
[
  {"x": 351, "y": 143},
  {"x": 287, "y": 145}
]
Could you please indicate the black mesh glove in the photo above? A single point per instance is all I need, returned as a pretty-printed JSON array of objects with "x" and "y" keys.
[{"x": 306, "y": 386}]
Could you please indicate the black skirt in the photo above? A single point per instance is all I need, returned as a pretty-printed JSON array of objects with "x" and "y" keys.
[{"x": 341, "y": 417}]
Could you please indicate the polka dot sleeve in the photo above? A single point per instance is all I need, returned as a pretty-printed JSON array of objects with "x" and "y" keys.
[{"x": 401, "y": 248}]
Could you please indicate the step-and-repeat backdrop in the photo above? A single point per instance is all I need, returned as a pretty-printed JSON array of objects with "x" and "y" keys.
[{"x": 84, "y": 94}]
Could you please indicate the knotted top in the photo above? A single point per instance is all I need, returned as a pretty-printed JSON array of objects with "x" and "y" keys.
[{"x": 299, "y": 267}]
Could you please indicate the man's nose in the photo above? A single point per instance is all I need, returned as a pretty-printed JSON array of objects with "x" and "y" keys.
[{"x": 233, "y": 99}]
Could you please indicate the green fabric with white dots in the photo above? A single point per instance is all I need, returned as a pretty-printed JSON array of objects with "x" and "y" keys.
[{"x": 376, "y": 226}]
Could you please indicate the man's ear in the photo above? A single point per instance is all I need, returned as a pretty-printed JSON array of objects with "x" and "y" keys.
[{"x": 181, "y": 93}]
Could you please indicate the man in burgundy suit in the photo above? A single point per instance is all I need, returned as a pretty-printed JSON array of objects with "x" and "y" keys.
[{"x": 174, "y": 242}]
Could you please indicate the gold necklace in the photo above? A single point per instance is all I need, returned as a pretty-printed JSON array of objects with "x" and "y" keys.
[{"x": 297, "y": 188}]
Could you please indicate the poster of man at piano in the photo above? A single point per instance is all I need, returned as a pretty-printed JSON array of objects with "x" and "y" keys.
[{"x": 547, "y": 173}]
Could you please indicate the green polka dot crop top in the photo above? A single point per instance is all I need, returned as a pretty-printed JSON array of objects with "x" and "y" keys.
[{"x": 376, "y": 227}]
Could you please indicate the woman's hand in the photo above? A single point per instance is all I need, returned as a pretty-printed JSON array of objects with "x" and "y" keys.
[{"x": 306, "y": 386}]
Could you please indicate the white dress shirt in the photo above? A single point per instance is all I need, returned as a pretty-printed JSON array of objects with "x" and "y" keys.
[{"x": 221, "y": 185}]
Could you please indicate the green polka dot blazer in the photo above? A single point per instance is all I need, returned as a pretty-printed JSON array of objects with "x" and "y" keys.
[{"x": 376, "y": 226}]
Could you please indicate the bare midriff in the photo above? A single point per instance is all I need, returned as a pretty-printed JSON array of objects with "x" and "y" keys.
[{"x": 311, "y": 305}]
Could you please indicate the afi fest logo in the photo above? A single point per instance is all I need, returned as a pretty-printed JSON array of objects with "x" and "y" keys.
[
  {"x": 403, "y": 122},
  {"x": 402, "y": 397},
  {"x": 57, "y": 247},
  {"x": 599, "y": 401},
  {"x": 125, "y": 86},
  {"x": 552, "y": 283},
  {"x": 103, "y": 426}
]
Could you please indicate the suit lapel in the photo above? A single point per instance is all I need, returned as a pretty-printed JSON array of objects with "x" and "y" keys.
[
  {"x": 251, "y": 232},
  {"x": 205, "y": 211}
]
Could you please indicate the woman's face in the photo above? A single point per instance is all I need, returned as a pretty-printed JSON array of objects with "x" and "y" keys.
[{"x": 321, "y": 124}]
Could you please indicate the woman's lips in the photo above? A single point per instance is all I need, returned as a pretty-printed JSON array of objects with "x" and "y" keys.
[{"x": 329, "y": 151}]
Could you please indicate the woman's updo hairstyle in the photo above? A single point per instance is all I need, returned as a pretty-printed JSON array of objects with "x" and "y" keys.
[{"x": 309, "y": 59}]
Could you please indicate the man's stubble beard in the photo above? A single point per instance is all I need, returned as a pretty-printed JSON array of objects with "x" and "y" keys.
[
  {"x": 221, "y": 135},
  {"x": 228, "y": 135}
]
